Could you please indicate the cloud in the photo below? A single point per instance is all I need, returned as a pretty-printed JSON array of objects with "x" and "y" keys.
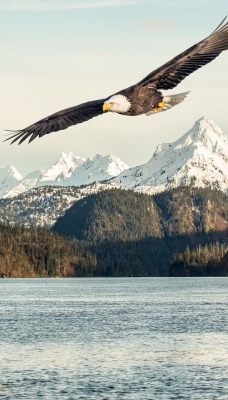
[
  {"x": 157, "y": 24},
  {"x": 58, "y": 5}
]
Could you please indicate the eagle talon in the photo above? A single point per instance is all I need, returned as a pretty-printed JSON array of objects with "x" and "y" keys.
[{"x": 159, "y": 106}]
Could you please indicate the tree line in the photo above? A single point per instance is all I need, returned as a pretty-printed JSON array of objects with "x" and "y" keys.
[
  {"x": 122, "y": 233},
  {"x": 37, "y": 252},
  {"x": 208, "y": 260}
]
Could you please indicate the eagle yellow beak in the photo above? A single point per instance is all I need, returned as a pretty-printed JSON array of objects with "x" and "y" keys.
[{"x": 106, "y": 106}]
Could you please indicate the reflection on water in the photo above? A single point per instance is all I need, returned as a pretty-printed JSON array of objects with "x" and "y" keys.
[{"x": 128, "y": 338}]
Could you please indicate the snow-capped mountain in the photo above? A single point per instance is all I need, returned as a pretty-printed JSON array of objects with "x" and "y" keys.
[
  {"x": 24, "y": 184},
  {"x": 61, "y": 170},
  {"x": 96, "y": 169},
  {"x": 69, "y": 170},
  {"x": 58, "y": 172},
  {"x": 9, "y": 178},
  {"x": 198, "y": 158}
]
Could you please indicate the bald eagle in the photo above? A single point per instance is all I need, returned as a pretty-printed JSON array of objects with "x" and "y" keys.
[{"x": 143, "y": 98}]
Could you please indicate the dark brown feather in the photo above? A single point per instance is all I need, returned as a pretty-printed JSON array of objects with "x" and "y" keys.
[
  {"x": 58, "y": 121},
  {"x": 173, "y": 72}
]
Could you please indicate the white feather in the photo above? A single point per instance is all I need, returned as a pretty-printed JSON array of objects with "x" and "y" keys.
[{"x": 119, "y": 103}]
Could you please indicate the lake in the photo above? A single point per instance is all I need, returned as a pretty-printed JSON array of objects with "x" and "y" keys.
[{"x": 114, "y": 338}]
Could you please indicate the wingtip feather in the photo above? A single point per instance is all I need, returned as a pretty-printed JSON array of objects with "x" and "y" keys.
[{"x": 220, "y": 25}]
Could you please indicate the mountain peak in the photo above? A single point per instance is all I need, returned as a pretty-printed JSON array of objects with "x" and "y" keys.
[
  {"x": 205, "y": 133},
  {"x": 199, "y": 158},
  {"x": 62, "y": 169},
  {"x": 11, "y": 170},
  {"x": 206, "y": 121},
  {"x": 206, "y": 127},
  {"x": 95, "y": 169},
  {"x": 9, "y": 177},
  {"x": 69, "y": 157}
]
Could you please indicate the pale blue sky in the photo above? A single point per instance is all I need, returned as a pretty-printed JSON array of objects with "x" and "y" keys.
[{"x": 56, "y": 54}]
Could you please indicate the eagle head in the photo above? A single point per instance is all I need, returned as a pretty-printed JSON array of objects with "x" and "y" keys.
[{"x": 117, "y": 103}]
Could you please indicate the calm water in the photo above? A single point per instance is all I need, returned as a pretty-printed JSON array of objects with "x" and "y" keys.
[{"x": 129, "y": 338}]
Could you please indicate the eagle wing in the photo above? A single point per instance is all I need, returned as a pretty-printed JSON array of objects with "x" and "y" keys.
[
  {"x": 173, "y": 72},
  {"x": 58, "y": 121}
]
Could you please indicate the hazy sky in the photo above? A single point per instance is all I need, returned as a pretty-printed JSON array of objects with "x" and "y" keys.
[{"x": 56, "y": 54}]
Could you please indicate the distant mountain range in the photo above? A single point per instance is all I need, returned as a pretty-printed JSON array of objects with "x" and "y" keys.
[
  {"x": 199, "y": 158},
  {"x": 69, "y": 170}
]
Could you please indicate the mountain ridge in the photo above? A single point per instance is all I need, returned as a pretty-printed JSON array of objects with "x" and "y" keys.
[
  {"x": 69, "y": 170},
  {"x": 198, "y": 158}
]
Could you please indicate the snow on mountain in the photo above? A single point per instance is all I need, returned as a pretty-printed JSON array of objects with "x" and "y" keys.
[
  {"x": 42, "y": 206},
  {"x": 9, "y": 177},
  {"x": 57, "y": 173},
  {"x": 61, "y": 170},
  {"x": 25, "y": 184},
  {"x": 69, "y": 170},
  {"x": 96, "y": 169},
  {"x": 199, "y": 158}
]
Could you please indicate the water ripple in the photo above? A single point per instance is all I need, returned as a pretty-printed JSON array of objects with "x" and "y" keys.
[{"x": 105, "y": 339}]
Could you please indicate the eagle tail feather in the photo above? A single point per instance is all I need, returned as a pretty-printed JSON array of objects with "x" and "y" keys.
[{"x": 169, "y": 102}]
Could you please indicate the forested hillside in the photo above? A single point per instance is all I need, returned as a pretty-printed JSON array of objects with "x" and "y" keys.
[
  {"x": 189, "y": 211},
  {"x": 37, "y": 252},
  {"x": 111, "y": 215},
  {"x": 123, "y": 233},
  {"x": 136, "y": 234},
  {"x": 117, "y": 214}
]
